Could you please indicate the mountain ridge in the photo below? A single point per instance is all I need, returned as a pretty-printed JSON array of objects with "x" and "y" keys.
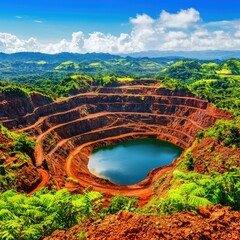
[{"x": 201, "y": 55}]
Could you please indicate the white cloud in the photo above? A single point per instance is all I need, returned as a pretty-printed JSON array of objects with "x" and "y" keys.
[
  {"x": 237, "y": 34},
  {"x": 19, "y": 17},
  {"x": 38, "y": 21},
  {"x": 10, "y": 43},
  {"x": 170, "y": 31},
  {"x": 142, "y": 20},
  {"x": 182, "y": 19}
]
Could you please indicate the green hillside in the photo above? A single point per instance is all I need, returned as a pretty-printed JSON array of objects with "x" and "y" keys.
[{"x": 68, "y": 66}]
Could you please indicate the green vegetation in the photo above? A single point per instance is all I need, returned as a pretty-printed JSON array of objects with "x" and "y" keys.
[
  {"x": 188, "y": 162},
  {"x": 29, "y": 217},
  {"x": 121, "y": 79},
  {"x": 192, "y": 70},
  {"x": 110, "y": 80},
  {"x": 70, "y": 179},
  {"x": 172, "y": 83},
  {"x": 199, "y": 190},
  {"x": 186, "y": 70},
  {"x": 52, "y": 88},
  {"x": 11, "y": 90},
  {"x": 218, "y": 82},
  {"x": 203, "y": 78},
  {"x": 49, "y": 67},
  {"x": 224, "y": 92},
  {"x": 225, "y": 132},
  {"x": 119, "y": 202},
  {"x": 20, "y": 148},
  {"x": 38, "y": 215},
  {"x": 21, "y": 141},
  {"x": 231, "y": 66},
  {"x": 69, "y": 65}
]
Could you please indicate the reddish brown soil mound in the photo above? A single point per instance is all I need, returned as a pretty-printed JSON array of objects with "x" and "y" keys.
[
  {"x": 3, "y": 139},
  {"x": 212, "y": 223},
  {"x": 210, "y": 156},
  {"x": 26, "y": 176},
  {"x": 28, "y": 179}
]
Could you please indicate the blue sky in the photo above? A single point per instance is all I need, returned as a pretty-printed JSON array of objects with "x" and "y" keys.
[
  {"x": 60, "y": 18},
  {"x": 54, "y": 20}
]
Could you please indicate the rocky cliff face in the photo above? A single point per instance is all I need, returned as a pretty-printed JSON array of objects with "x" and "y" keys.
[
  {"x": 68, "y": 130},
  {"x": 16, "y": 107}
]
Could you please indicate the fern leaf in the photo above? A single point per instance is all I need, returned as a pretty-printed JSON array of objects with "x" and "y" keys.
[
  {"x": 63, "y": 195},
  {"x": 200, "y": 191},
  {"x": 5, "y": 214},
  {"x": 6, "y": 195},
  {"x": 196, "y": 201}
]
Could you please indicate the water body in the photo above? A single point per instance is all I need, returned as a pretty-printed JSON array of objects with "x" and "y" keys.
[{"x": 130, "y": 162}]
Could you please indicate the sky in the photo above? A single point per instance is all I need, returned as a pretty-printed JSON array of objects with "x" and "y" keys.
[{"x": 124, "y": 26}]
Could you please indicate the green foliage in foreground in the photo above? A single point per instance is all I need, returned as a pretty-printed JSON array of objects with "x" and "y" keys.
[
  {"x": 31, "y": 217},
  {"x": 200, "y": 190},
  {"x": 119, "y": 202}
]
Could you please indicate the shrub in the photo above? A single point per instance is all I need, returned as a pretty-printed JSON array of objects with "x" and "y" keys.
[
  {"x": 30, "y": 217},
  {"x": 119, "y": 202},
  {"x": 13, "y": 92},
  {"x": 225, "y": 132},
  {"x": 200, "y": 190}
]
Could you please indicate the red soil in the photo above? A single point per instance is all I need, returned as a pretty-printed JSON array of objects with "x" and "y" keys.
[
  {"x": 209, "y": 156},
  {"x": 212, "y": 223}
]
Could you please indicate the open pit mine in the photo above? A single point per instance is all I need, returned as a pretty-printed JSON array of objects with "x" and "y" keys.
[{"x": 67, "y": 130}]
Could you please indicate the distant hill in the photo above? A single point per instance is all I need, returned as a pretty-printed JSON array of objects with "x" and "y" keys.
[
  {"x": 201, "y": 55},
  {"x": 76, "y": 57},
  {"x": 63, "y": 64},
  {"x": 26, "y": 63},
  {"x": 69, "y": 65},
  {"x": 231, "y": 66},
  {"x": 60, "y": 57},
  {"x": 191, "y": 70}
]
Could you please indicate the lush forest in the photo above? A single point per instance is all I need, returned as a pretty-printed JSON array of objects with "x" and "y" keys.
[
  {"x": 217, "y": 82},
  {"x": 42, "y": 66}
]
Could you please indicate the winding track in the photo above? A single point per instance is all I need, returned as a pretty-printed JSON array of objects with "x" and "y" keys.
[{"x": 67, "y": 131}]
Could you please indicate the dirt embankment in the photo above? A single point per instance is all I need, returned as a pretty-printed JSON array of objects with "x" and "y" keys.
[
  {"x": 210, "y": 156},
  {"x": 26, "y": 176},
  {"x": 17, "y": 107},
  {"x": 211, "y": 223}
]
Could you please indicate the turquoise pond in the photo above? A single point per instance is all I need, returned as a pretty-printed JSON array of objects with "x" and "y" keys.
[{"x": 130, "y": 162}]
